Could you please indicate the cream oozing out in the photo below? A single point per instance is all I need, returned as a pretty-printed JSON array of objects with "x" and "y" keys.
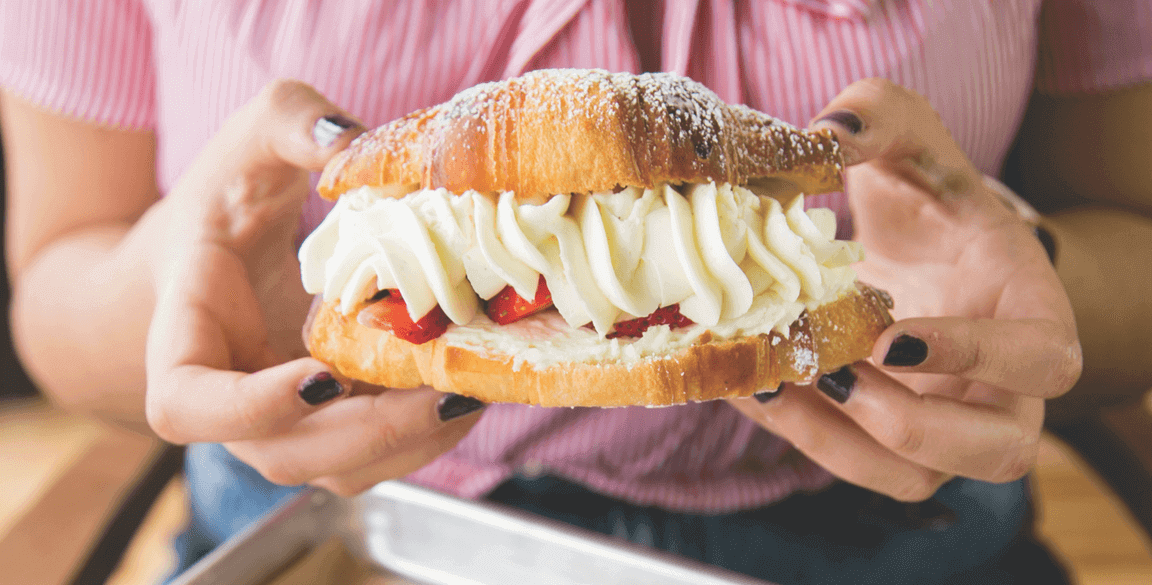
[{"x": 737, "y": 263}]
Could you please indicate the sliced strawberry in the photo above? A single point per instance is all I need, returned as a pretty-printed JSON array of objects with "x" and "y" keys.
[
  {"x": 507, "y": 306},
  {"x": 669, "y": 315},
  {"x": 390, "y": 313}
]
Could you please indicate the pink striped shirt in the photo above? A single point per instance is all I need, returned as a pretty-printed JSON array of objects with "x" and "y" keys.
[{"x": 179, "y": 68}]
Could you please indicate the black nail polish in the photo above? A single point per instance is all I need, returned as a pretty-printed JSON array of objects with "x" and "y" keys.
[
  {"x": 767, "y": 395},
  {"x": 319, "y": 388},
  {"x": 906, "y": 350},
  {"x": 329, "y": 128},
  {"x": 1047, "y": 241},
  {"x": 838, "y": 385},
  {"x": 455, "y": 406},
  {"x": 849, "y": 120}
]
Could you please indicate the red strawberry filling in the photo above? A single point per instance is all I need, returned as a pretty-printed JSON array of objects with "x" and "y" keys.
[
  {"x": 508, "y": 307},
  {"x": 669, "y": 315},
  {"x": 388, "y": 312}
]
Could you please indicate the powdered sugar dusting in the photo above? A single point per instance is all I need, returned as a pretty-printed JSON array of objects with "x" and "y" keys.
[
  {"x": 671, "y": 111},
  {"x": 804, "y": 358},
  {"x": 697, "y": 108}
]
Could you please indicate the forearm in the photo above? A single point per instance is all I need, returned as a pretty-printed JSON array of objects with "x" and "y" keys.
[
  {"x": 1085, "y": 160},
  {"x": 80, "y": 314},
  {"x": 1103, "y": 260},
  {"x": 81, "y": 218}
]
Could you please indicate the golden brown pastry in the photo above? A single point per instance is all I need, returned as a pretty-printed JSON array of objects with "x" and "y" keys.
[{"x": 580, "y": 238}]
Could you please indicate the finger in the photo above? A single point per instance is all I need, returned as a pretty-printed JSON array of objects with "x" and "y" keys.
[
  {"x": 975, "y": 440},
  {"x": 287, "y": 126},
  {"x": 195, "y": 338},
  {"x": 829, "y": 437},
  {"x": 1033, "y": 357},
  {"x": 398, "y": 465},
  {"x": 195, "y": 403},
  {"x": 251, "y": 178},
  {"x": 354, "y": 433},
  {"x": 313, "y": 310},
  {"x": 193, "y": 323},
  {"x": 875, "y": 119}
]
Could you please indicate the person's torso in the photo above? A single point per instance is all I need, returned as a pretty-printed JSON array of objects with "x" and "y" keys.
[{"x": 381, "y": 60}]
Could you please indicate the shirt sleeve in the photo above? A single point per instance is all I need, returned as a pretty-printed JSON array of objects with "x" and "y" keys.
[
  {"x": 1094, "y": 45},
  {"x": 88, "y": 59}
]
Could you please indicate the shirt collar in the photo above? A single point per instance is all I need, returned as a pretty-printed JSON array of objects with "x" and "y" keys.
[{"x": 846, "y": 9}]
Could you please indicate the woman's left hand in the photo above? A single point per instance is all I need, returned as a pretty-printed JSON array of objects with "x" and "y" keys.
[{"x": 956, "y": 386}]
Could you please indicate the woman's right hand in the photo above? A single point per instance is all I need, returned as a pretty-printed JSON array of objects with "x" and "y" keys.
[{"x": 225, "y": 362}]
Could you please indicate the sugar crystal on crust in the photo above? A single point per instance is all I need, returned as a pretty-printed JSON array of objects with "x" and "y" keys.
[{"x": 619, "y": 129}]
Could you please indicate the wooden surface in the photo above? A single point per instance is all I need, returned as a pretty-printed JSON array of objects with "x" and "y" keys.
[
  {"x": 1085, "y": 524},
  {"x": 40, "y": 448},
  {"x": 36, "y": 445},
  {"x": 149, "y": 557},
  {"x": 60, "y": 518}
]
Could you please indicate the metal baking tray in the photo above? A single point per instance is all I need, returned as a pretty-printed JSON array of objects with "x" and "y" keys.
[{"x": 434, "y": 539}]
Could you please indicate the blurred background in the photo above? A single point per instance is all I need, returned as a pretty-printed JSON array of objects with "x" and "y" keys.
[
  {"x": 15, "y": 383},
  {"x": 82, "y": 502}
]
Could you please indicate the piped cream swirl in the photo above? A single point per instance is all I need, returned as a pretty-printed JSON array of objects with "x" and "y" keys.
[{"x": 729, "y": 257}]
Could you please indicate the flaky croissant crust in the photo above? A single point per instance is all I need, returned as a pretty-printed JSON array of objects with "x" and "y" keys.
[{"x": 579, "y": 131}]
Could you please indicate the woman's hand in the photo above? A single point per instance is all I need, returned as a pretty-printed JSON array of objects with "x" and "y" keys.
[
  {"x": 225, "y": 360},
  {"x": 986, "y": 333}
]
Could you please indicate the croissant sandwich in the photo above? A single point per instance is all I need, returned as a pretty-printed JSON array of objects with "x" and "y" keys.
[{"x": 584, "y": 238}]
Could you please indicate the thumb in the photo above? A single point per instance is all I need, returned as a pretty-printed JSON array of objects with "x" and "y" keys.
[
  {"x": 252, "y": 175},
  {"x": 288, "y": 125},
  {"x": 875, "y": 119}
]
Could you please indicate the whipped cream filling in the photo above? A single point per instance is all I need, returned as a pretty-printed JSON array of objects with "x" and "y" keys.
[{"x": 737, "y": 263}]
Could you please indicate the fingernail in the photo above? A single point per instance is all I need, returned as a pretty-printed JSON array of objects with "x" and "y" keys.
[
  {"x": 1047, "y": 241},
  {"x": 329, "y": 128},
  {"x": 838, "y": 385},
  {"x": 319, "y": 388},
  {"x": 455, "y": 406},
  {"x": 767, "y": 395},
  {"x": 906, "y": 350},
  {"x": 849, "y": 120}
]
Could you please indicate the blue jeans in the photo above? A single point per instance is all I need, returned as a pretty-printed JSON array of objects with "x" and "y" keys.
[
  {"x": 225, "y": 495},
  {"x": 844, "y": 534},
  {"x": 841, "y": 535}
]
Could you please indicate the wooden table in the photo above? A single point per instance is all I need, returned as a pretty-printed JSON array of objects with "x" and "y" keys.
[{"x": 64, "y": 479}]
